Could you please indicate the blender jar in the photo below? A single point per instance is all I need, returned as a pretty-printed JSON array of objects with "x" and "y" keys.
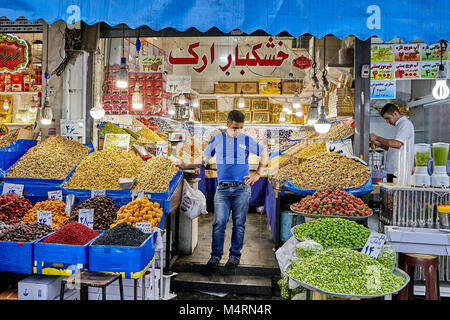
[
  {"x": 440, "y": 153},
  {"x": 421, "y": 154}
]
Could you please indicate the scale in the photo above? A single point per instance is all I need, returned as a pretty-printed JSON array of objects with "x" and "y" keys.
[
  {"x": 422, "y": 154},
  {"x": 440, "y": 178},
  {"x": 176, "y": 138}
]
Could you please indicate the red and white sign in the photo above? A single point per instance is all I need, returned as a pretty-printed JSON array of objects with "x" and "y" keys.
[{"x": 14, "y": 53}]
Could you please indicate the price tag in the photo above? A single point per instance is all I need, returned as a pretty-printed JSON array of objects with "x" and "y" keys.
[
  {"x": 162, "y": 148},
  {"x": 374, "y": 244},
  {"x": 86, "y": 217},
  {"x": 55, "y": 195},
  {"x": 137, "y": 194},
  {"x": 13, "y": 188},
  {"x": 98, "y": 193},
  {"x": 45, "y": 217},
  {"x": 145, "y": 227}
]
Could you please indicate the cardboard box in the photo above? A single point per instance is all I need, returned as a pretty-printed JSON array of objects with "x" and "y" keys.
[{"x": 38, "y": 287}]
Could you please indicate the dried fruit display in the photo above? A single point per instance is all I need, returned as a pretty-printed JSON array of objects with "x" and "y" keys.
[
  {"x": 73, "y": 233},
  {"x": 122, "y": 234},
  {"x": 156, "y": 175},
  {"x": 13, "y": 207},
  {"x": 25, "y": 232},
  {"x": 57, "y": 207},
  {"x": 329, "y": 168},
  {"x": 52, "y": 158},
  {"x": 105, "y": 211},
  {"x": 139, "y": 210},
  {"x": 102, "y": 169}
]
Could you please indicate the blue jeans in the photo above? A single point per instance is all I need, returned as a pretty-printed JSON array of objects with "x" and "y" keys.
[{"x": 237, "y": 200}]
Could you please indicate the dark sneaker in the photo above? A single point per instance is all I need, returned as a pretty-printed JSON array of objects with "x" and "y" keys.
[
  {"x": 212, "y": 265},
  {"x": 232, "y": 263}
]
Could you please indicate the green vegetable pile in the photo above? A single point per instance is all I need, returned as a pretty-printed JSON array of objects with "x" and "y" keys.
[
  {"x": 334, "y": 232},
  {"x": 307, "y": 248},
  {"x": 346, "y": 271}
]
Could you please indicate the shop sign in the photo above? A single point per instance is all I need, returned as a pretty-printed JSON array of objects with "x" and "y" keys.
[
  {"x": 14, "y": 53},
  {"x": 241, "y": 59},
  {"x": 382, "y": 89},
  {"x": 374, "y": 244},
  {"x": 302, "y": 62},
  {"x": 114, "y": 140},
  {"x": 152, "y": 64}
]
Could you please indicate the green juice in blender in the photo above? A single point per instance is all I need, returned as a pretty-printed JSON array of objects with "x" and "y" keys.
[{"x": 440, "y": 154}]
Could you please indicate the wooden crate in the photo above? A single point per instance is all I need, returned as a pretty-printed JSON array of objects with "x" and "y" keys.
[
  {"x": 225, "y": 87},
  {"x": 208, "y": 105},
  {"x": 249, "y": 87}
]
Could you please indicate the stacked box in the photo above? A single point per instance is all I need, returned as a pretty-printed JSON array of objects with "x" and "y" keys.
[{"x": 341, "y": 102}]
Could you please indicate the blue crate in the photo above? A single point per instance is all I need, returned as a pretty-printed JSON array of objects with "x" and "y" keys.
[
  {"x": 130, "y": 262},
  {"x": 35, "y": 192},
  {"x": 60, "y": 259},
  {"x": 10, "y": 154}
]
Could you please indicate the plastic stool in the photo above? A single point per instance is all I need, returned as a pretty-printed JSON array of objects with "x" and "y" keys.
[{"x": 430, "y": 263}]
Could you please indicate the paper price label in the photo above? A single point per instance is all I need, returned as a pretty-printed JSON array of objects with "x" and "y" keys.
[
  {"x": 13, "y": 188},
  {"x": 374, "y": 244},
  {"x": 45, "y": 217},
  {"x": 98, "y": 193},
  {"x": 55, "y": 195},
  {"x": 145, "y": 227},
  {"x": 86, "y": 217},
  {"x": 162, "y": 148},
  {"x": 137, "y": 194}
]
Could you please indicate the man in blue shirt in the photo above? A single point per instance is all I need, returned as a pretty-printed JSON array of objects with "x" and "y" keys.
[{"x": 232, "y": 149}]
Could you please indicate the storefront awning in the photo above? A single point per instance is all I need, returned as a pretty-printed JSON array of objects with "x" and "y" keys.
[{"x": 428, "y": 21}]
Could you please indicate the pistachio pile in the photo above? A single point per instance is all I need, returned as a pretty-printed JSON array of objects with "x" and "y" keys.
[
  {"x": 156, "y": 175},
  {"x": 329, "y": 168},
  {"x": 311, "y": 150},
  {"x": 8, "y": 138},
  {"x": 102, "y": 169},
  {"x": 346, "y": 271},
  {"x": 52, "y": 158}
]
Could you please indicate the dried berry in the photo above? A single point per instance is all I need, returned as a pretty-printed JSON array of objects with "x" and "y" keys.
[
  {"x": 105, "y": 211},
  {"x": 73, "y": 233},
  {"x": 123, "y": 234}
]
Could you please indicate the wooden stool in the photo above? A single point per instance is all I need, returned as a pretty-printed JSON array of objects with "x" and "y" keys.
[
  {"x": 91, "y": 279},
  {"x": 408, "y": 262}
]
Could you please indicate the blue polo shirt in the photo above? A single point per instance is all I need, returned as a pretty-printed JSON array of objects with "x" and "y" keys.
[{"x": 232, "y": 155}]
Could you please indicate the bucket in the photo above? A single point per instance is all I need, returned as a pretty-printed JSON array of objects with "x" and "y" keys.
[{"x": 287, "y": 222}]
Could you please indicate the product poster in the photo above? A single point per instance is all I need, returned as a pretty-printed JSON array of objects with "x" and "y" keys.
[
  {"x": 382, "y": 53},
  {"x": 407, "y": 52},
  {"x": 382, "y": 89},
  {"x": 432, "y": 52},
  {"x": 382, "y": 71},
  {"x": 430, "y": 69},
  {"x": 269, "y": 86},
  {"x": 152, "y": 64},
  {"x": 407, "y": 70}
]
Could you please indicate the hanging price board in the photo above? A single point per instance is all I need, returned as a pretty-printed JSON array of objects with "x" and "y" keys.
[
  {"x": 374, "y": 244},
  {"x": 44, "y": 217},
  {"x": 113, "y": 140},
  {"x": 145, "y": 227},
  {"x": 13, "y": 188},
  {"x": 86, "y": 217},
  {"x": 55, "y": 195}
]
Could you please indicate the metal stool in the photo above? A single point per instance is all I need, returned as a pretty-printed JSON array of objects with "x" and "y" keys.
[
  {"x": 91, "y": 279},
  {"x": 430, "y": 263}
]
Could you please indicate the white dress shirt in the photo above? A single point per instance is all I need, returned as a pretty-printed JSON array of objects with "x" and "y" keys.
[{"x": 404, "y": 132}]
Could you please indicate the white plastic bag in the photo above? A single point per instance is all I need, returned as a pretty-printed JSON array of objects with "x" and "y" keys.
[{"x": 193, "y": 202}]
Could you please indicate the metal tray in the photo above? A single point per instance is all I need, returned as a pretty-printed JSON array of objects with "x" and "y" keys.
[
  {"x": 397, "y": 272},
  {"x": 308, "y": 215}
]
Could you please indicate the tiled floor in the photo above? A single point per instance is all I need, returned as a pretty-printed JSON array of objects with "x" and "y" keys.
[{"x": 258, "y": 247}]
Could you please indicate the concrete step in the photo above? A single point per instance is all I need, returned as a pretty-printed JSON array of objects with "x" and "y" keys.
[{"x": 220, "y": 282}]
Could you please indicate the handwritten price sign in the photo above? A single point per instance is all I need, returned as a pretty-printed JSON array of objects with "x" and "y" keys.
[
  {"x": 45, "y": 217},
  {"x": 113, "y": 140},
  {"x": 55, "y": 195},
  {"x": 382, "y": 89},
  {"x": 407, "y": 52},
  {"x": 152, "y": 64},
  {"x": 145, "y": 227},
  {"x": 95, "y": 193},
  {"x": 381, "y": 71},
  {"x": 86, "y": 217},
  {"x": 13, "y": 188},
  {"x": 374, "y": 244}
]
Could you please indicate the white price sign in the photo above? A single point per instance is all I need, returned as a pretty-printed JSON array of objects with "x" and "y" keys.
[
  {"x": 137, "y": 194},
  {"x": 55, "y": 195},
  {"x": 98, "y": 193},
  {"x": 374, "y": 244},
  {"x": 13, "y": 188},
  {"x": 162, "y": 148},
  {"x": 45, "y": 217},
  {"x": 86, "y": 217},
  {"x": 145, "y": 227}
]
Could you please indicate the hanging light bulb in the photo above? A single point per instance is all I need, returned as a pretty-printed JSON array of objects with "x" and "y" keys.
[
  {"x": 5, "y": 104},
  {"x": 241, "y": 100},
  {"x": 122, "y": 74},
  {"x": 181, "y": 99},
  {"x": 441, "y": 90},
  {"x": 136, "y": 98},
  {"x": 195, "y": 103},
  {"x": 299, "y": 113},
  {"x": 97, "y": 112},
  {"x": 285, "y": 108},
  {"x": 322, "y": 125},
  {"x": 313, "y": 112},
  {"x": 47, "y": 114},
  {"x": 282, "y": 117},
  {"x": 289, "y": 111},
  {"x": 296, "y": 101},
  {"x": 171, "y": 111}
]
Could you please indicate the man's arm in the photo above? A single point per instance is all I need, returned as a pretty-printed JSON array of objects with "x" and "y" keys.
[
  {"x": 385, "y": 143},
  {"x": 263, "y": 161}
]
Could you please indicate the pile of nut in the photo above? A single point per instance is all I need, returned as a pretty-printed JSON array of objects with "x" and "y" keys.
[
  {"x": 105, "y": 211},
  {"x": 52, "y": 158},
  {"x": 8, "y": 138},
  {"x": 329, "y": 168},
  {"x": 311, "y": 150},
  {"x": 102, "y": 169},
  {"x": 156, "y": 175}
]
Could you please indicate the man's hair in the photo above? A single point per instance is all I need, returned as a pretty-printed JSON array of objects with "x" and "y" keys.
[
  {"x": 236, "y": 115},
  {"x": 389, "y": 108}
]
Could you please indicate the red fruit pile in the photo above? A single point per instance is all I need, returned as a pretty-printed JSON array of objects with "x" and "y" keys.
[
  {"x": 332, "y": 201},
  {"x": 13, "y": 207},
  {"x": 72, "y": 233}
]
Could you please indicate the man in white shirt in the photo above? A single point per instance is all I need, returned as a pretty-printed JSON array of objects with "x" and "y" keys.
[{"x": 403, "y": 137}]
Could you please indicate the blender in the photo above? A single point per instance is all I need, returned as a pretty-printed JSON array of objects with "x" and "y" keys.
[
  {"x": 422, "y": 153},
  {"x": 439, "y": 178}
]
